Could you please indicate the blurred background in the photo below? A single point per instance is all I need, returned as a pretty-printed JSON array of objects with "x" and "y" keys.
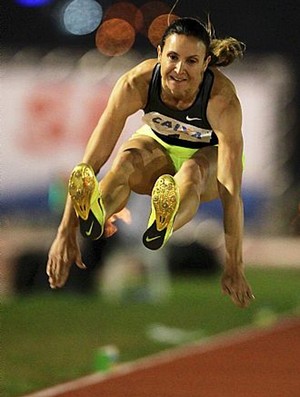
[{"x": 60, "y": 60}]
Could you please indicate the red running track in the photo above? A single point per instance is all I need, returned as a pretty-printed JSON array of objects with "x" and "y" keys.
[{"x": 245, "y": 363}]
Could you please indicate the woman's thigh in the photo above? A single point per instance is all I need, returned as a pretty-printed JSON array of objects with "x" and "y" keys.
[
  {"x": 206, "y": 159},
  {"x": 147, "y": 161}
]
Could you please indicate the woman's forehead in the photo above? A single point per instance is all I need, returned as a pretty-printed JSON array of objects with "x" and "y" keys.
[{"x": 182, "y": 43}]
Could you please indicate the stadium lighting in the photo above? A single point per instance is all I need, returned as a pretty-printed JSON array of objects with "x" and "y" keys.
[
  {"x": 33, "y": 3},
  {"x": 82, "y": 17}
]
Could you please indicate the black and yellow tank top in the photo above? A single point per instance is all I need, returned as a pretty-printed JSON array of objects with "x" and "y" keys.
[{"x": 186, "y": 128}]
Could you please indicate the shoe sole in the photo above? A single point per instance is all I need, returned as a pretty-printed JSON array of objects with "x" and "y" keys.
[
  {"x": 164, "y": 206},
  {"x": 83, "y": 189}
]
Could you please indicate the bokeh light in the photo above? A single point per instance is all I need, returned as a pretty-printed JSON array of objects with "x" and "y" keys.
[
  {"x": 115, "y": 37},
  {"x": 127, "y": 11},
  {"x": 82, "y": 16},
  {"x": 152, "y": 10},
  {"x": 158, "y": 27},
  {"x": 33, "y": 3}
]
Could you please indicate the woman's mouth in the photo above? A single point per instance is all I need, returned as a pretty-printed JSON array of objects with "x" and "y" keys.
[{"x": 178, "y": 79}]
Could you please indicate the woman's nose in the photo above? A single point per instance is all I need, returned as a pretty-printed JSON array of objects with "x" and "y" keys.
[{"x": 179, "y": 67}]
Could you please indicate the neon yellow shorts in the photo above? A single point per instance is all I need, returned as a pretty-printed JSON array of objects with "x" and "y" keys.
[{"x": 178, "y": 154}]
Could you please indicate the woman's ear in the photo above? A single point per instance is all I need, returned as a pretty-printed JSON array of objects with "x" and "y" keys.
[
  {"x": 207, "y": 61},
  {"x": 159, "y": 51}
]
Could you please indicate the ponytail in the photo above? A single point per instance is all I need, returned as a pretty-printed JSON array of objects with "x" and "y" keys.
[{"x": 225, "y": 51}]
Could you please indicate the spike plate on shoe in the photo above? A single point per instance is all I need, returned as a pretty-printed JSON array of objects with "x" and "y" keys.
[{"x": 81, "y": 187}]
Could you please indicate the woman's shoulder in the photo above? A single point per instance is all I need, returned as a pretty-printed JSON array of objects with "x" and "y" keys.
[
  {"x": 222, "y": 84},
  {"x": 223, "y": 94},
  {"x": 135, "y": 83},
  {"x": 223, "y": 89},
  {"x": 142, "y": 73}
]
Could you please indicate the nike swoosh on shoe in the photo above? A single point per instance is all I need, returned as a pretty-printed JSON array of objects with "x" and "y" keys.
[
  {"x": 89, "y": 232},
  {"x": 149, "y": 239}
]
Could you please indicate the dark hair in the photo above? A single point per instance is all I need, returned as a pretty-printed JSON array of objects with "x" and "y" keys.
[{"x": 222, "y": 51}]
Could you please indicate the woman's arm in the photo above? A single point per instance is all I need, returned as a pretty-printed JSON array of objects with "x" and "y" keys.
[{"x": 226, "y": 116}]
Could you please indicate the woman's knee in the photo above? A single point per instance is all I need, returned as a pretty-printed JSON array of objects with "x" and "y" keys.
[
  {"x": 129, "y": 169},
  {"x": 193, "y": 172},
  {"x": 127, "y": 161}
]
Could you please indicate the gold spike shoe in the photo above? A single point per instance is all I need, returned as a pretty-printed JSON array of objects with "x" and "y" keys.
[
  {"x": 164, "y": 206},
  {"x": 87, "y": 201}
]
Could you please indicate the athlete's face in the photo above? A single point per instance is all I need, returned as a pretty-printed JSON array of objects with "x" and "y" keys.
[{"x": 183, "y": 61}]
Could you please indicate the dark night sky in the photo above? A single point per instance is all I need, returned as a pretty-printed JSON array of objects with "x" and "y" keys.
[{"x": 265, "y": 26}]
